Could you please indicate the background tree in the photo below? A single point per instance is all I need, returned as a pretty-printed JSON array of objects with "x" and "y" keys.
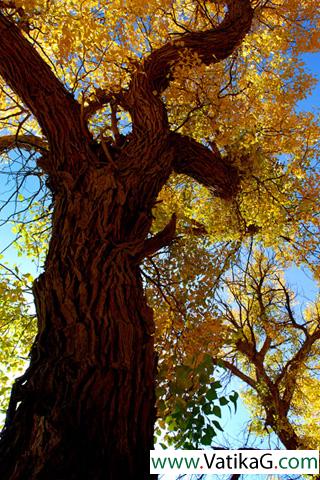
[
  {"x": 116, "y": 100},
  {"x": 273, "y": 348}
]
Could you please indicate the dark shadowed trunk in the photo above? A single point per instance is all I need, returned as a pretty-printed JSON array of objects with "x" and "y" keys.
[
  {"x": 88, "y": 404},
  {"x": 85, "y": 409}
]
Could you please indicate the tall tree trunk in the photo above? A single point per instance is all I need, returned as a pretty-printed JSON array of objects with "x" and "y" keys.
[{"x": 85, "y": 409}]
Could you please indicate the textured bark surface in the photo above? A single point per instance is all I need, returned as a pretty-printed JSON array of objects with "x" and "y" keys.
[
  {"x": 85, "y": 409},
  {"x": 88, "y": 401}
]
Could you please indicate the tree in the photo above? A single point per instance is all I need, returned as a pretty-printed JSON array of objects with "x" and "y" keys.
[
  {"x": 272, "y": 348},
  {"x": 85, "y": 408}
]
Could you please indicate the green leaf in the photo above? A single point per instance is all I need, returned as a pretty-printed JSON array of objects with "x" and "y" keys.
[
  {"x": 206, "y": 440},
  {"x": 182, "y": 374},
  {"x": 210, "y": 430},
  {"x": 233, "y": 398},
  {"x": 216, "y": 411},
  {"x": 160, "y": 391},
  {"x": 223, "y": 401},
  {"x": 217, "y": 425},
  {"x": 216, "y": 385},
  {"x": 211, "y": 394},
  {"x": 206, "y": 408}
]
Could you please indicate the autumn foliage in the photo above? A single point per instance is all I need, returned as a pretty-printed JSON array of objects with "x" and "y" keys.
[{"x": 169, "y": 156}]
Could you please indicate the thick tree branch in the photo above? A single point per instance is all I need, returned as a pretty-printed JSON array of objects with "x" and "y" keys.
[
  {"x": 27, "y": 142},
  {"x": 156, "y": 71},
  {"x": 212, "y": 45},
  {"x": 206, "y": 166},
  {"x": 153, "y": 76},
  {"x": 28, "y": 75},
  {"x": 265, "y": 348}
]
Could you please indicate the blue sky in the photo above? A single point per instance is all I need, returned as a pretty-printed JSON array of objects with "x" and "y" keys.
[{"x": 312, "y": 61}]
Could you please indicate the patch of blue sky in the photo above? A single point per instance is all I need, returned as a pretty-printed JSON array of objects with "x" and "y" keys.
[
  {"x": 311, "y": 102},
  {"x": 20, "y": 188}
]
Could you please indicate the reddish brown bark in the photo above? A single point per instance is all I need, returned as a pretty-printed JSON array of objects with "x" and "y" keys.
[
  {"x": 87, "y": 406},
  {"x": 85, "y": 409}
]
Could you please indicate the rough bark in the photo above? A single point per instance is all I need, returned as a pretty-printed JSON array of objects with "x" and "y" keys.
[
  {"x": 206, "y": 166},
  {"x": 87, "y": 400},
  {"x": 58, "y": 113},
  {"x": 85, "y": 408}
]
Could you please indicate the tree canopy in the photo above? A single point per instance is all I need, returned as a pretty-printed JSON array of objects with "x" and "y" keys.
[{"x": 209, "y": 91}]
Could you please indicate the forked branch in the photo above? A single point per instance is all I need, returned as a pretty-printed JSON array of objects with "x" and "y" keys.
[{"x": 156, "y": 71}]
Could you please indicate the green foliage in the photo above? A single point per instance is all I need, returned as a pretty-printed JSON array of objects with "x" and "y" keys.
[{"x": 190, "y": 405}]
